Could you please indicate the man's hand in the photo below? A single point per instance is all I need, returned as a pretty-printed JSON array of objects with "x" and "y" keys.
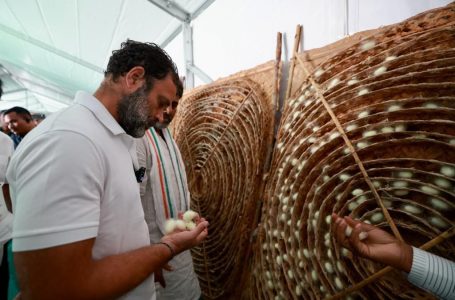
[
  {"x": 184, "y": 240},
  {"x": 371, "y": 242}
]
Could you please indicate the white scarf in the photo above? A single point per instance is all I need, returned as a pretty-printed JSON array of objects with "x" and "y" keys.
[{"x": 167, "y": 177}]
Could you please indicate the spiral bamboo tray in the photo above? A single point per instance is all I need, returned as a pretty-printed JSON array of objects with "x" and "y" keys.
[
  {"x": 369, "y": 133},
  {"x": 223, "y": 132}
]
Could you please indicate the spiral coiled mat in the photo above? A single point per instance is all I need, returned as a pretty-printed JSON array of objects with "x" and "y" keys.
[{"x": 393, "y": 96}]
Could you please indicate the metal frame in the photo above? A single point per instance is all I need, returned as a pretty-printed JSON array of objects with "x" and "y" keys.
[{"x": 185, "y": 17}]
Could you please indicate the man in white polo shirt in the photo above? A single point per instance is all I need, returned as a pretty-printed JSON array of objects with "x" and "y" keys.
[{"x": 79, "y": 230}]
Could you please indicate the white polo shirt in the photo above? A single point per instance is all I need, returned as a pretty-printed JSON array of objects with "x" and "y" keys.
[
  {"x": 6, "y": 218},
  {"x": 71, "y": 179}
]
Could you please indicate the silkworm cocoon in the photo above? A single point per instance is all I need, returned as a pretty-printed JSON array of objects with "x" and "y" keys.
[
  {"x": 287, "y": 126},
  {"x": 429, "y": 190},
  {"x": 438, "y": 222},
  {"x": 313, "y": 222},
  {"x": 277, "y": 246},
  {"x": 326, "y": 178},
  {"x": 430, "y": 105},
  {"x": 298, "y": 291},
  {"x": 310, "y": 205},
  {"x": 405, "y": 174},
  {"x": 333, "y": 83},
  {"x": 296, "y": 114},
  {"x": 285, "y": 200},
  {"x": 344, "y": 252},
  {"x": 279, "y": 260},
  {"x": 307, "y": 103},
  {"x": 270, "y": 284},
  {"x": 400, "y": 184},
  {"x": 328, "y": 267},
  {"x": 189, "y": 215},
  {"x": 316, "y": 214},
  {"x": 282, "y": 234},
  {"x": 346, "y": 150},
  {"x": 268, "y": 274},
  {"x": 412, "y": 209},
  {"x": 299, "y": 222},
  {"x": 294, "y": 161},
  {"x": 285, "y": 257},
  {"x": 275, "y": 233},
  {"x": 377, "y": 217},
  {"x": 352, "y": 206},
  {"x": 328, "y": 219},
  {"x": 357, "y": 192},
  {"x": 301, "y": 166},
  {"x": 363, "y": 114},
  {"x": 394, "y": 107},
  {"x": 387, "y": 129},
  {"x": 338, "y": 283},
  {"x": 387, "y": 203},
  {"x": 352, "y": 81},
  {"x": 318, "y": 72},
  {"x": 169, "y": 226},
  {"x": 264, "y": 246},
  {"x": 344, "y": 176},
  {"x": 180, "y": 224},
  {"x": 334, "y": 135},
  {"x": 301, "y": 265},
  {"x": 367, "y": 221},
  {"x": 363, "y": 92},
  {"x": 284, "y": 208},
  {"x": 452, "y": 142},
  {"x": 294, "y": 196},
  {"x": 376, "y": 184},
  {"x": 379, "y": 71},
  {"x": 400, "y": 128},
  {"x": 314, "y": 275},
  {"x": 340, "y": 266},
  {"x": 190, "y": 225},
  {"x": 327, "y": 243},
  {"x": 348, "y": 231},
  {"x": 322, "y": 289},
  {"x": 367, "y": 45},
  {"x": 363, "y": 235},
  {"x": 315, "y": 128},
  {"x": 329, "y": 253},
  {"x": 290, "y": 274},
  {"x": 289, "y": 223},
  {"x": 361, "y": 199},
  {"x": 439, "y": 204},
  {"x": 444, "y": 183},
  {"x": 389, "y": 58},
  {"x": 352, "y": 126},
  {"x": 297, "y": 234},
  {"x": 327, "y": 236},
  {"x": 401, "y": 192},
  {"x": 306, "y": 253},
  {"x": 369, "y": 133}
]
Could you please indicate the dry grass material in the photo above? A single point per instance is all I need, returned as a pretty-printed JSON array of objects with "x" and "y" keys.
[{"x": 392, "y": 93}]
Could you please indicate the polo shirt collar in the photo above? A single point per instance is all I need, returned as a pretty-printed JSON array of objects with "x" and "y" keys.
[{"x": 99, "y": 110}]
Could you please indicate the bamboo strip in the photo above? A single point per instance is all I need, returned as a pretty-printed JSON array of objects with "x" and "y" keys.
[{"x": 298, "y": 34}]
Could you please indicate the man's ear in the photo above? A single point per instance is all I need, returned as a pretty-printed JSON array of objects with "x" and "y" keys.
[{"x": 135, "y": 78}]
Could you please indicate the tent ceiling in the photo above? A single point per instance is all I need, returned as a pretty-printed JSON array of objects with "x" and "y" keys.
[{"x": 52, "y": 48}]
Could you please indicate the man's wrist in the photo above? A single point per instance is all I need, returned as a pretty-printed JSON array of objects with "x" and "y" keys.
[
  {"x": 406, "y": 258},
  {"x": 167, "y": 245}
]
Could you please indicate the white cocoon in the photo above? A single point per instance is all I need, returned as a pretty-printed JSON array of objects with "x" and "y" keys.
[
  {"x": 169, "y": 226},
  {"x": 189, "y": 215},
  {"x": 190, "y": 225},
  {"x": 180, "y": 224}
]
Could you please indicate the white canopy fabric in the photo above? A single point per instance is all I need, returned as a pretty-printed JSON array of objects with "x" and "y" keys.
[{"x": 49, "y": 49}]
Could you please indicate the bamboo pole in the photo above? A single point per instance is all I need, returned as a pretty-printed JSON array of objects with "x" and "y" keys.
[{"x": 298, "y": 34}]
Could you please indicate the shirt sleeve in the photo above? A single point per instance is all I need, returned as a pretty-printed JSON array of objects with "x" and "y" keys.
[
  {"x": 57, "y": 185},
  {"x": 6, "y": 151},
  {"x": 143, "y": 158},
  {"x": 433, "y": 273}
]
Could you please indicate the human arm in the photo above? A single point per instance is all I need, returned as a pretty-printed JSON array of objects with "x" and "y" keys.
[
  {"x": 428, "y": 271},
  {"x": 70, "y": 272}
]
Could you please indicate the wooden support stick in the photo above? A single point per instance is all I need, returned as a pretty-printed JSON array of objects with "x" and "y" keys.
[
  {"x": 276, "y": 82},
  {"x": 298, "y": 34}
]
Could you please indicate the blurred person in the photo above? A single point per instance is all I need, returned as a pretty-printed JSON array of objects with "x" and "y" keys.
[
  {"x": 425, "y": 270},
  {"x": 38, "y": 118},
  {"x": 19, "y": 121},
  {"x": 79, "y": 229},
  {"x": 165, "y": 194}
]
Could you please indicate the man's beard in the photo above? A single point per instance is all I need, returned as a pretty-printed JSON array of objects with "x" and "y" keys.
[
  {"x": 162, "y": 125},
  {"x": 133, "y": 113}
]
